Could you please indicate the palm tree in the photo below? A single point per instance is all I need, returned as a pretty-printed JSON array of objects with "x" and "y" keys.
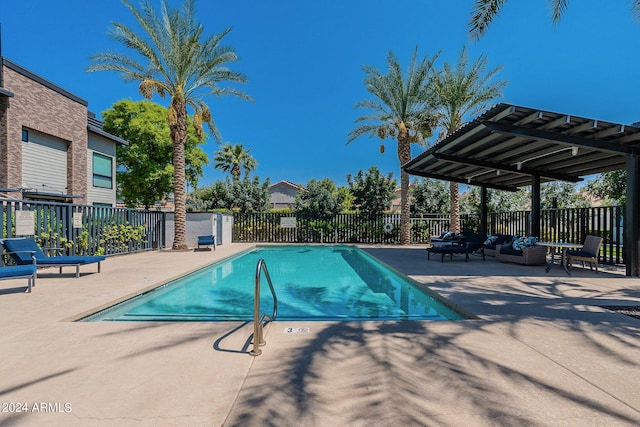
[
  {"x": 234, "y": 158},
  {"x": 485, "y": 10},
  {"x": 460, "y": 91},
  {"x": 174, "y": 60},
  {"x": 402, "y": 110}
]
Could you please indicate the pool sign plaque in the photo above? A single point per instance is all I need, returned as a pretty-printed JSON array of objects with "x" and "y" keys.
[
  {"x": 288, "y": 222},
  {"x": 77, "y": 220},
  {"x": 25, "y": 223}
]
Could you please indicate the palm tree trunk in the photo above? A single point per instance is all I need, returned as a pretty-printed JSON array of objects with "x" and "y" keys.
[
  {"x": 454, "y": 215},
  {"x": 179, "y": 137},
  {"x": 404, "y": 155}
]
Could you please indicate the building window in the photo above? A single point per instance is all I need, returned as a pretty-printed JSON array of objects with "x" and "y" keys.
[
  {"x": 25, "y": 135},
  {"x": 102, "y": 171}
]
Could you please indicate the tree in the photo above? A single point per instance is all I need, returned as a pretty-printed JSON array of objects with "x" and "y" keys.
[
  {"x": 610, "y": 186},
  {"x": 484, "y": 11},
  {"x": 346, "y": 196},
  {"x": 403, "y": 110},
  {"x": 497, "y": 200},
  {"x": 216, "y": 196},
  {"x": 321, "y": 198},
  {"x": 564, "y": 193},
  {"x": 174, "y": 59},
  {"x": 249, "y": 195},
  {"x": 429, "y": 196},
  {"x": 460, "y": 91},
  {"x": 373, "y": 193},
  {"x": 234, "y": 159},
  {"x": 243, "y": 195},
  {"x": 145, "y": 172}
]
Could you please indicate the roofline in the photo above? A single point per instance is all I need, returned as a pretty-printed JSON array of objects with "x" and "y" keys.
[
  {"x": 283, "y": 181},
  {"x": 107, "y": 135},
  {"x": 39, "y": 79}
]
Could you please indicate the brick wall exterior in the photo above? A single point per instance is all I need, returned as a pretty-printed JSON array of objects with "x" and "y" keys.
[
  {"x": 4, "y": 104},
  {"x": 39, "y": 107}
]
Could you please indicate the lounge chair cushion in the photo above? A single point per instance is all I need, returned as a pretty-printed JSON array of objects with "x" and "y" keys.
[
  {"x": 17, "y": 271},
  {"x": 585, "y": 254},
  {"x": 70, "y": 260}
]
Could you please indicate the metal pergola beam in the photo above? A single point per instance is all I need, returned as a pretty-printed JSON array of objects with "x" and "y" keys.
[
  {"x": 555, "y": 137},
  {"x": 507, "y": 168},
  {"x": 462, "y": 181}
]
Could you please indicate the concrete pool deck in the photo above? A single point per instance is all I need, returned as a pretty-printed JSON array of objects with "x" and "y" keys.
[{"x": 541, "y": 353}]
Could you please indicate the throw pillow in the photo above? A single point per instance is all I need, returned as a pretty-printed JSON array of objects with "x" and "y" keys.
[
  {"x": 491, "y": 239},
  {"x": 518, "y": 243}
]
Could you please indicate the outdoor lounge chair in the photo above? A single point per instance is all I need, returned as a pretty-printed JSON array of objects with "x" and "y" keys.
[
  {"x": 207, "y": 241},
  {"x": 18, "y": 249},
  {"x": 588, "y": 253},
  {"x": 27, "y": 271},
  {"x": 472, "y": 243}
]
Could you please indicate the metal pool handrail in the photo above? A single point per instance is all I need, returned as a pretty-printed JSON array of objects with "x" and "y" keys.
[{"x": 259, "y": 320}]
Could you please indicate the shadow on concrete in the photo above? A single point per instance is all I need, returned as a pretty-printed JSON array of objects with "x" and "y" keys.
[
  {"x": 407, "y": 373},
  {"x": 543, "y": 352}
]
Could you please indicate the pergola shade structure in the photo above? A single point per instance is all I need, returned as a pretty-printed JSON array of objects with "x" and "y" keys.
[{"x": 510, "y": 146}]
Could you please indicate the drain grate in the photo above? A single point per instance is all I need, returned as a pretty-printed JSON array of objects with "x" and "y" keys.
[{"x": 627, "y": 310}]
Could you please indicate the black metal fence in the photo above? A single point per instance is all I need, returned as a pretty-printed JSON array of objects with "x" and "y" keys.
[
  {"x": 82, "y": 229},
  {"x": 300, "y": 228},
  {"x": 570, "y": 225},
  {"x": 280, "y": 227}
]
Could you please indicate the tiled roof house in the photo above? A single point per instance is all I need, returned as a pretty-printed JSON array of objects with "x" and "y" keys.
[{"x": 51, "y": 146}]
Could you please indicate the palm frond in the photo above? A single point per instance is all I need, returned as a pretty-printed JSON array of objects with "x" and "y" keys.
[
  {"x": 558, "y": 7},
  {"x": 464, "y": 89},
  {"x": 482, "y": 15},
  {"x": 402, "y": 107},
  {"x": 175, "y": 58}
]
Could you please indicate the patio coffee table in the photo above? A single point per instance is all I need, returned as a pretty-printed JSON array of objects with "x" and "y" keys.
[{"x": 563, "y": 246}]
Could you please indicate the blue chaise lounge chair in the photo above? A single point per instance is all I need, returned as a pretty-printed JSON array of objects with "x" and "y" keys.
[
  {"x": 207, "y": 241},
  {"x": 18, "y": 249},
  {"x": 27, "y": 271}
]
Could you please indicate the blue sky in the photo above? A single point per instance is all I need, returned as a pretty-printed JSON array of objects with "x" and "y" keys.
[{"x": 304, "y": 64}]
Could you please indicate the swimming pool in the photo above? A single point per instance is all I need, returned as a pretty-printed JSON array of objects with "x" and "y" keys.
[{"x": 311, "y": 282}]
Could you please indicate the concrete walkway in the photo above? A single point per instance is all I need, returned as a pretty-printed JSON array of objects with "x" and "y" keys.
[{"x": 541, "y": 353}]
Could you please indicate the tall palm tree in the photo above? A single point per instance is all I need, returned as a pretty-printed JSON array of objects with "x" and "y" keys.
[
  {"x": 485, "y": 10},
  {"x": 402, "y": 110},
  {"x": 174, "y": 59},
  {"x": 461, "y": 91},
  {"x": 233, "y": 159}
]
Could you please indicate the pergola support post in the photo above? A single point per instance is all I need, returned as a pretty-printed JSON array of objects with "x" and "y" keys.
[
  {"x": 535, "y": 206},
  {"x": 632, "y": 217},
  {"x": 483, "y": 210}
]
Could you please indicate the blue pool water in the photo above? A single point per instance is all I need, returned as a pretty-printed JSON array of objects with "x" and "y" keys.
[{"x": 311, "y": 283}]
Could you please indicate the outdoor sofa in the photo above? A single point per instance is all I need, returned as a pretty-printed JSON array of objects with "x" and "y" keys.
[
  {"x": 525, "y": 255},
  {"x": 493, "y": 240},
  {"x": 19, "y": 250}
]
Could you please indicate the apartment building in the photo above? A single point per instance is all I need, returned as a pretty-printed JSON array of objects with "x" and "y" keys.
[{"x": 51, "y": 146}]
